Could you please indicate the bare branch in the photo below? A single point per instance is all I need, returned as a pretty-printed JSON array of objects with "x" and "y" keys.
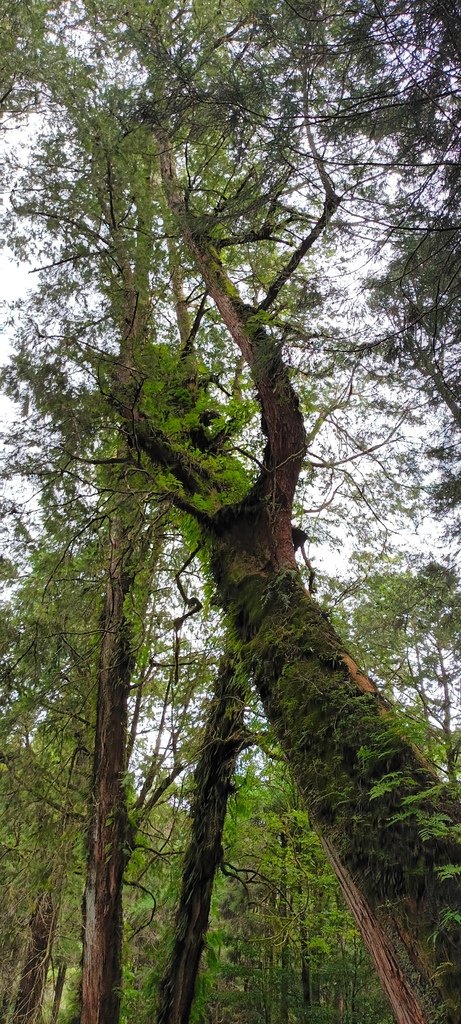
[{"x": 329, "y": 208}]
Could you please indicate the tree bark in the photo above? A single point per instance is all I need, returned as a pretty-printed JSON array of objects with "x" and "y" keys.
[
  {"x": 33, "y": 975},
  {"x": 213, "y": 779},
  {"x": 102, "y": 904}
]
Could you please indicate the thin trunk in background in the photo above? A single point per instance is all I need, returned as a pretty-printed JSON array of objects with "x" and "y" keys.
[
  {"x": 285, "y": 949},
  {"x": 58, "y": 990},
  {"x": 306, "y": 980},
  {"x": 223, "y": 739},
  {"x": 35, "y": 967}
]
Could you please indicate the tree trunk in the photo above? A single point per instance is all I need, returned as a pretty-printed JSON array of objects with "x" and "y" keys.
[
  {"x": 213, "y": 777},
  {"x": 284, "y": 952},
  {"x": 33, "y": 976},
  {"x": 109, "y": 836},
  {"x": 102, "y": 905},
  {"x": 267, "y": 981},
  {"x": 306, "y": 980},
  {"x": 9, "y": 977},
  {"x": 58, "y": 990},
  {"x": 371, "y": 795}
]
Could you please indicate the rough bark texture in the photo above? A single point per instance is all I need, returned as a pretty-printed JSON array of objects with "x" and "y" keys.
[
  {"x": 213, "y": 778},
  {"x": 33, "y": 975},
  {"x": 401, "y": 998},
  {"x": 102, "y": 906}
]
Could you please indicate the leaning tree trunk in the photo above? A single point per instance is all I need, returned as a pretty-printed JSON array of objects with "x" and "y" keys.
[
  {"x": 222, "y": 742},
  {"x": 102, "y": 904},
  {"x": 390, "y": 829},
  {"x": 34, "y": 971}
]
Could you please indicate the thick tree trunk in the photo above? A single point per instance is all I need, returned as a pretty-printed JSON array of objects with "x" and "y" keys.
[
  {"x": 33, "y": 975},
  {"x": 213, "y": 777},
  {"x": 109, "y": 835},
  {"x": 102, "y": 905},
  {"x": 382, "y": 953},
  {"x": 379, "y": 807}
]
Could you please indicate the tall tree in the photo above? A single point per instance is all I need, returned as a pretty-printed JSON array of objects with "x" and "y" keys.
[{"x": 227, "y": 110}]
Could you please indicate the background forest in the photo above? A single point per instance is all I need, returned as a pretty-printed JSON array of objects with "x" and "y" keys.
[{"x": 230, "y": 638}]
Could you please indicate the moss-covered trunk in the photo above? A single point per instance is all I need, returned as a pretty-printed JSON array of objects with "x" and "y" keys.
[
  {"x": 213, "y": 777},
  {"x": 389, "y": 827}
]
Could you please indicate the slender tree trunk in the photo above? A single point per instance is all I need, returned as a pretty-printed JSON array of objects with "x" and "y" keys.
[
  {"x": 109, "y": 835},
  {"x": 102, "y": 906},
  {"x": 33, "y": 975},
  {"x": 9, "y": 978},
  {"x": 213, "y": 777},
  {"x": 4, "y": 1004},
  {"x": 267, "y": 983},
  {"x": 58, "y": 990},
  {"x": 284, "y": 952},
  {"x": 306, "y": 980}
]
